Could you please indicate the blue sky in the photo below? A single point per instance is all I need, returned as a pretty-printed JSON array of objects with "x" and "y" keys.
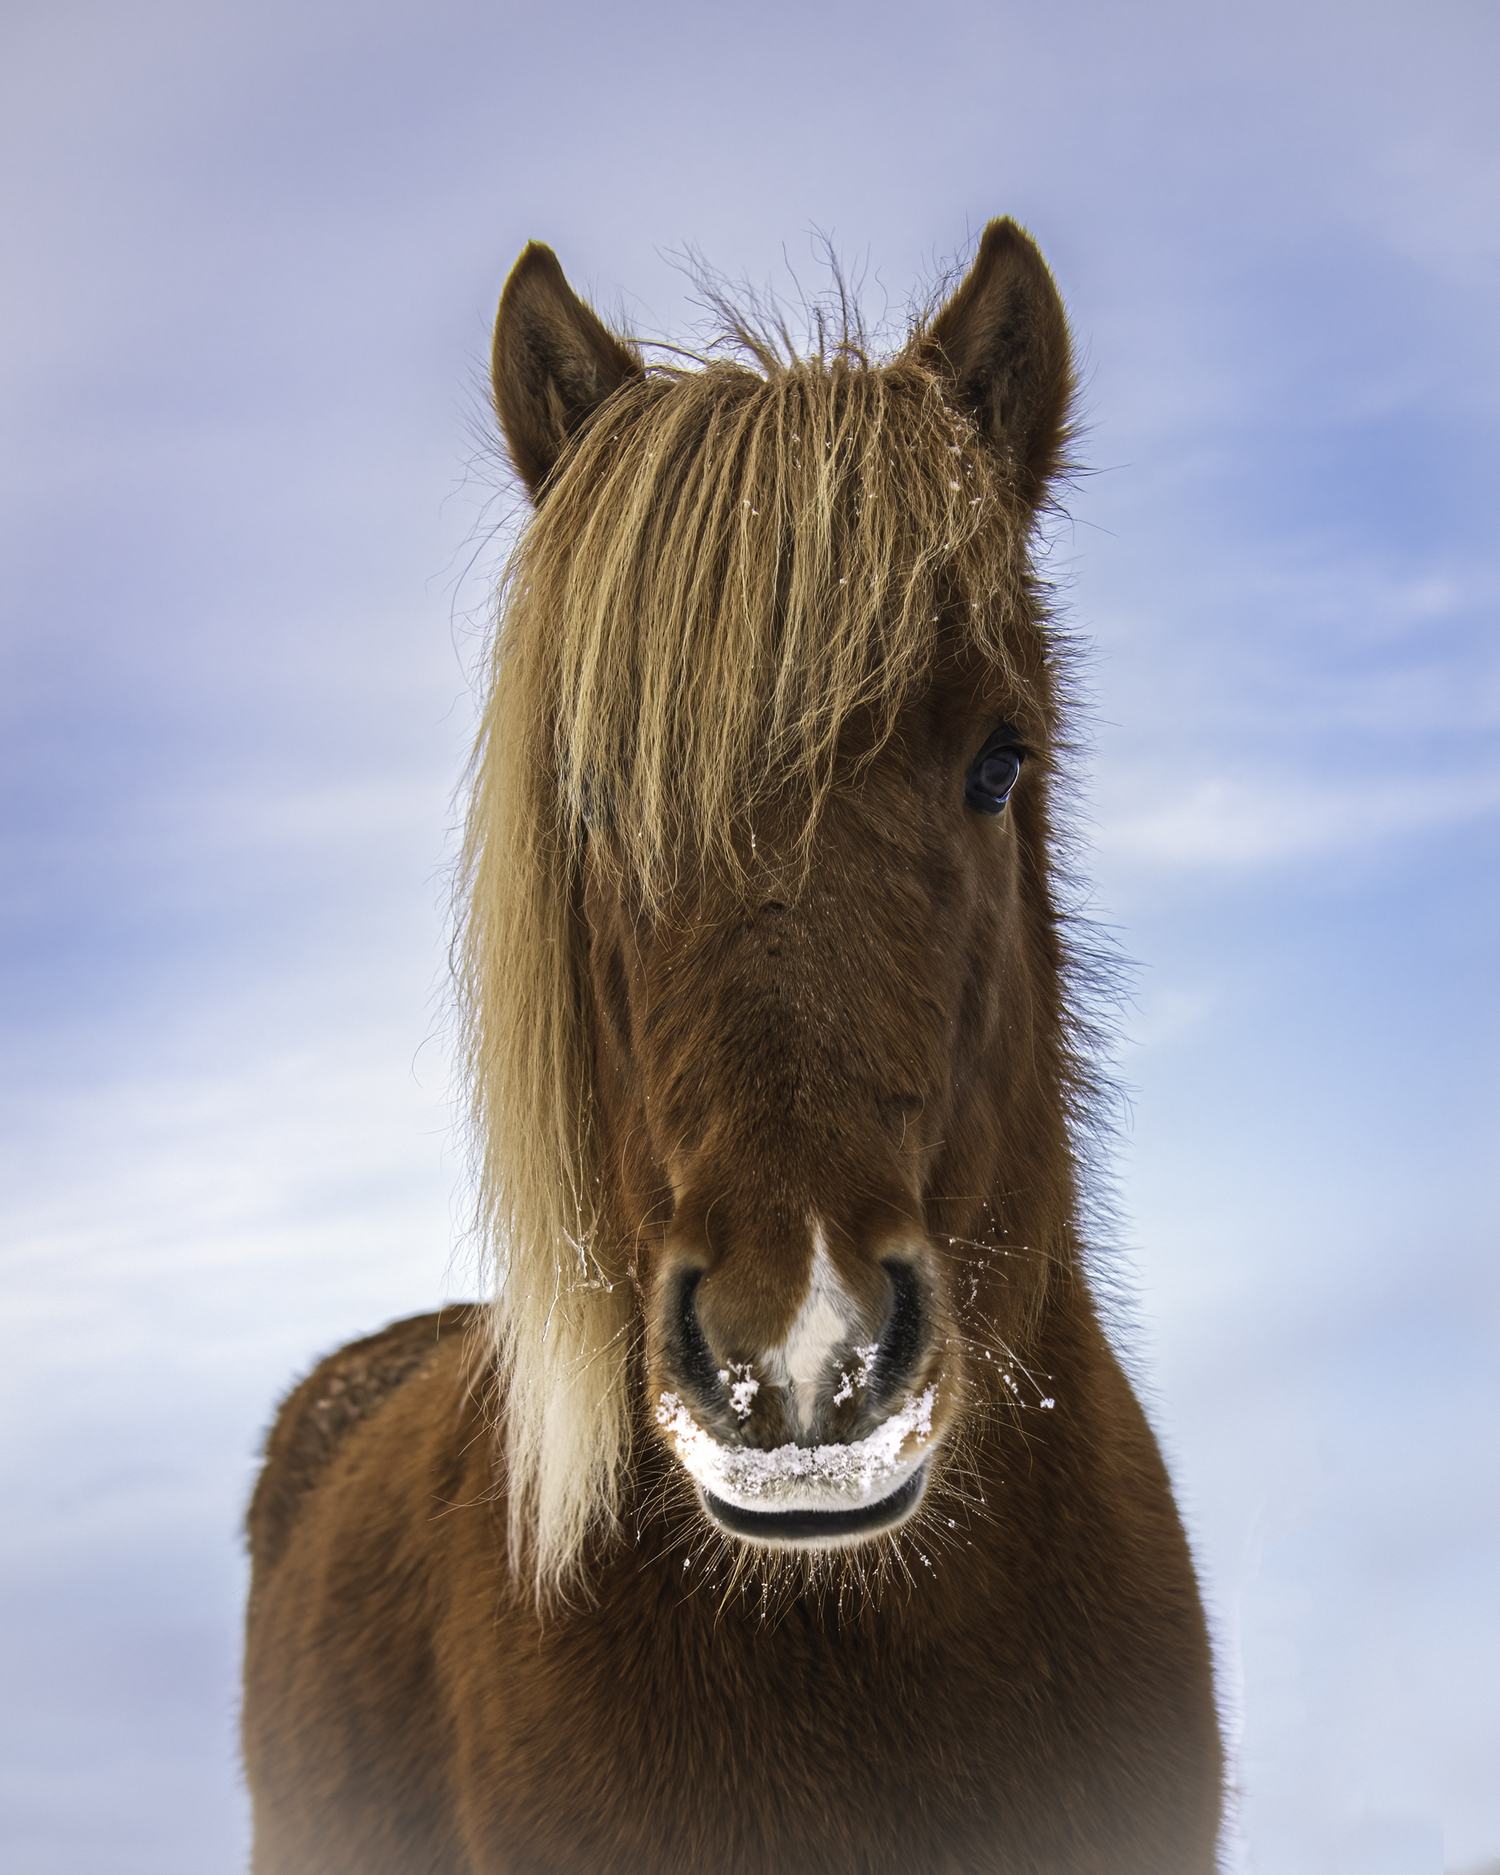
[{"x": 252, "y": 256}]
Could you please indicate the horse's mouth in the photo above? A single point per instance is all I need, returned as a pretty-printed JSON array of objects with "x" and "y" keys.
[
  {"x": 805, "y": 1527},
  {"x": 809, "y": 1497}
]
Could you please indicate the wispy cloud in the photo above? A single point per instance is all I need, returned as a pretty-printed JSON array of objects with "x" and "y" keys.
[{"x": 1237, "y": 823}]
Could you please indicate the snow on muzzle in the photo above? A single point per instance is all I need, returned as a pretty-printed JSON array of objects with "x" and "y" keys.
[{"x": 814, "y": 1496}]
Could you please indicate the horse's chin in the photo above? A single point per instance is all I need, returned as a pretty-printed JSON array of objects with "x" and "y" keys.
[
  {"x": 809, "y": 1497},
  {"x": 810, "y": 1525}
]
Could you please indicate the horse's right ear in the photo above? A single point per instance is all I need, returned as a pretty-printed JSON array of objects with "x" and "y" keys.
[
  {"x": 1002, "y": 343},
  {"x": 553, "y": 365}
]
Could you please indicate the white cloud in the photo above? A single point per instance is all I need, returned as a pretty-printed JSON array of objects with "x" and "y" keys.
[{"x": 1227, "y": 823}]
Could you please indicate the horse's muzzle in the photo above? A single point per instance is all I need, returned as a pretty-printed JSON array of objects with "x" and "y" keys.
[
  {"x": 819, "y": 1529},
  {"x": 809, "y": 1497}
]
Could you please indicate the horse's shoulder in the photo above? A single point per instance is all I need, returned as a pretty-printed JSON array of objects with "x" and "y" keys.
[{"x": 346, "y": 1390}]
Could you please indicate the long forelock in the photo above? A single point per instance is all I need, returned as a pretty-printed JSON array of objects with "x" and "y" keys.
[{"x": 732, "y": 565}]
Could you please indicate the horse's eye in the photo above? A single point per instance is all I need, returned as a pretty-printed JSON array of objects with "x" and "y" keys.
[{"x": 992, "y": 773}]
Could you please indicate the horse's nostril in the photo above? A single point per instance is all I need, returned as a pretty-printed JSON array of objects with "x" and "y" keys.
[
  {"x": 691, "y": 1356},
  {"x": 900, "y": 1344}
]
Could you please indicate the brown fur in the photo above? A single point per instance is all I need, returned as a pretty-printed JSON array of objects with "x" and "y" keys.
[{"x": 492, "y": 1627}]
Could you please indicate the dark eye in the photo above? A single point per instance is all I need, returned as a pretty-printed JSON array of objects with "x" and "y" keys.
[{"x": 992, "y": 773}]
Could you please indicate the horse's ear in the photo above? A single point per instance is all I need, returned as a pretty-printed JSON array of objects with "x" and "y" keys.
[
  {"x": 553, "y": 364},
  {"x": 1002, "y": 342}
]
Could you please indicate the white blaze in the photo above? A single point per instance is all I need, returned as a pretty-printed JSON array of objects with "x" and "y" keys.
[{"x": 824, "y": 1322}]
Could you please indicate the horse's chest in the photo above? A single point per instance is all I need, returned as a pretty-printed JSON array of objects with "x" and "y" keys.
[{"x": 688, "y": 1738}]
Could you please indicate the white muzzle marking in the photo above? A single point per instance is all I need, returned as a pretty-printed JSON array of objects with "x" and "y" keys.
[{"x": 825, "y": 1322}]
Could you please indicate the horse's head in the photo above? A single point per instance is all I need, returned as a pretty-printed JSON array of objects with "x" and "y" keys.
[{"x": 763, "y": 964}]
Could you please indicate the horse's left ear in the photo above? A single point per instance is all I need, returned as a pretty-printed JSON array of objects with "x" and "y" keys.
[
  {"x": 553, "y": 365},
  {"x": 1002, "y": 341}
]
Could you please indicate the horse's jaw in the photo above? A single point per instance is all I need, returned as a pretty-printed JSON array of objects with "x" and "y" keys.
[{"x": 809, "y": 1497}]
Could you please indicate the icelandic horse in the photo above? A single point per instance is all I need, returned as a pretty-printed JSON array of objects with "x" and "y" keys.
[{"x": 786, "y": 1512}]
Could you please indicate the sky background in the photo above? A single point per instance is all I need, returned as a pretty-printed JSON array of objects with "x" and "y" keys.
[{"x": 250, "y": 516}]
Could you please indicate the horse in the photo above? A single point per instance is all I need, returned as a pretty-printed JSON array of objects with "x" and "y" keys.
[{"x": 786, "y": 1510}]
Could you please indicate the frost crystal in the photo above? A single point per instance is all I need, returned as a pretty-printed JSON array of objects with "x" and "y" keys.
[{"x": 798, "y": 1475}]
